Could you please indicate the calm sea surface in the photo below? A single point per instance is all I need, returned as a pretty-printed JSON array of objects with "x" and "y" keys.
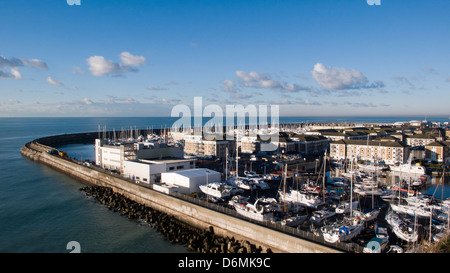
[{"x": 41, "y": 210}]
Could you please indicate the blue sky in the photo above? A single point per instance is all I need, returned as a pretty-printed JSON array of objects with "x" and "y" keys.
[{"x": 141, "y": 58}]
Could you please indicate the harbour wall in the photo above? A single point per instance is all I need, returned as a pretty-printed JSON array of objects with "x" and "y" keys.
[{"x": 190, "y": 213}]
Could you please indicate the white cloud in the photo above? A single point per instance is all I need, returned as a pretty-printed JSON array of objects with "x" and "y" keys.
[
  {"x": 54, "y": 82},
  {"x": 337, "y": 78},
  {"x": 14, "y": 63},
  {"x": 87, "y": 101},
  {"x": 234, "y": 91},
  {"x": 258, "y": 81},
  {"x": 360, "y": 104},
  {"x": 99, "y": 66},
  {"x": 170, "y": 100},
  {"x": 15, "y": 73},
  {"x": 265, "y": 81},
  {"x": 229, "y": 86},
  {"x": 35, "y": 63},
  {"x": 295, "y": 101},
  {"x": 128, "y": 59}
]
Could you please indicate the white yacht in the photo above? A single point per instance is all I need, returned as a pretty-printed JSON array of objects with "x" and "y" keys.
[
  {"x": 409, "y": 168},
  {"x": 216, "y": 189},
  {"x": 241, "y": 183},
  {"x": 418, "y": 200},
  {"x": 254, "y": 211},
  {"x": 418, "y": 210},
  {"x": 367, "y": 216},
  {"x": 301, "y": 198}
]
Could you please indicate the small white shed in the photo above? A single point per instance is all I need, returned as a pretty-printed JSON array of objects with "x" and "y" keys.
[{"x": 189, "y": 180}]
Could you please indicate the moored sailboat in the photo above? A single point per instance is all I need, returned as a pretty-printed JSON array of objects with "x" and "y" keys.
[
  {"x": 342, "y": 232},
  {"x": 402, "y": 228}
]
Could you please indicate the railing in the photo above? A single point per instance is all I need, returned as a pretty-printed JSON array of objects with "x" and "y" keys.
[{"x": 306, "y": 235}]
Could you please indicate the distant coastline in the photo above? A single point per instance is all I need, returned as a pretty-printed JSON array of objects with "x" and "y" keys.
[{"x": 167, "y": 122}]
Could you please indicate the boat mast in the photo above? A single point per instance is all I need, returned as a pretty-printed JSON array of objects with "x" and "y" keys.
[
  {"x": 351, "y": 189},
  {"x": 442, "y": 200},
  {"x": 443, "y": 179},
  {"x": 375, "y": 174},
  {"x": 284, "y": 188},
  {"x": 377, "y": 159},
  {"x": 324, "y": 174},
  {"x": 226, "y": 164},
  {"x": 431, "y": 220},
  {"x": 237, "y": 155}
]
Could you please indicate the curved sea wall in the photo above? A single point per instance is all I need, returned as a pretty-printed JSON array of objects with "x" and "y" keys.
[{"x": 184, "y": 211}]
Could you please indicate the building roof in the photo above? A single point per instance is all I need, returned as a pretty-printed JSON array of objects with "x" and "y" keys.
[
  {"x": 387, "y": 138},
  {"x": 306, "y": 138},
  {"x": 423, "y": 136},
  {"x": 191, "y": 173},
  {"x": 163, "y": 160},
  {"x": 284, "y": 139},
  {"x": 437, "y": 144},
  {"x": 370, "y": 143},
  {"x": 333, "y": 134},
  {"x": 341, "y": 141}
]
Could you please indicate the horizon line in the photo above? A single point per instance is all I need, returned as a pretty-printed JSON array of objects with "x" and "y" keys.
[{"x": 281, "y": 116}]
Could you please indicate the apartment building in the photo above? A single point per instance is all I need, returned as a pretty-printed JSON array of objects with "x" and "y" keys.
[
  {"x": 310, "y": 144},
  {"x": 197, "y": 145},
  {"x": 388, "y": 151},
  {"x": 422, "y": 139},
  {"x": 438, "y": 151},
  {"x": 249, "y": 144}
]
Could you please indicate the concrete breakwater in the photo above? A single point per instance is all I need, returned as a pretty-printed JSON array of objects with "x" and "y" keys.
[
  {"x": 204, "y": 241},
  {"x": 192, "y": 214}
]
